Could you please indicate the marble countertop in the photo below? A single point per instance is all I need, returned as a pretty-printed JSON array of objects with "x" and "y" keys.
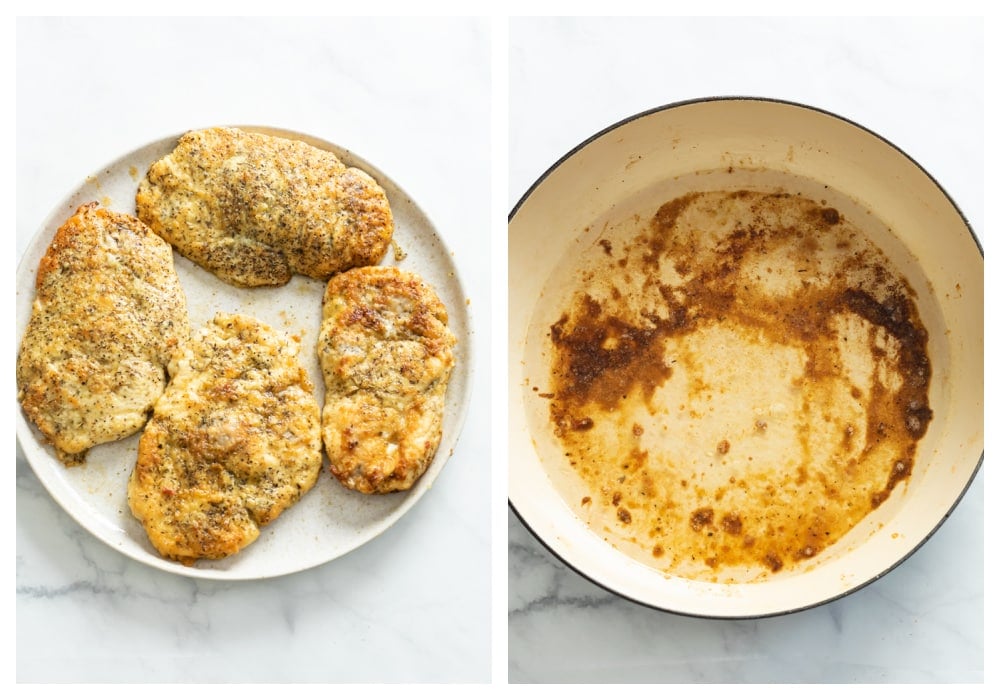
[
  {"x": 411, "y": 97},
  {"x": 917, "y": 82}
]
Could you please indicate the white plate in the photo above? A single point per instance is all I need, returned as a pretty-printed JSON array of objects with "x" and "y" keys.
[{"x": 330, "y": 520}]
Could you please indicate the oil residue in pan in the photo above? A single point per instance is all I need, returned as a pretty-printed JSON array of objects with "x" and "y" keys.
[{"x": 738, "y": 383}]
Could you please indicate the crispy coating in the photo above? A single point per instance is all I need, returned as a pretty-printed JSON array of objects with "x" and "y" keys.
[
  {"x": 107, "y": 313},
  {"x": 255, "y": 209},
  {"x": 233, "y": 442},
  {"x": 387, "y": 353}
]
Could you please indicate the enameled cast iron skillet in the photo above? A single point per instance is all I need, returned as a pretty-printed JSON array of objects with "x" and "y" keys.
[{"x": 628, "y": 165}]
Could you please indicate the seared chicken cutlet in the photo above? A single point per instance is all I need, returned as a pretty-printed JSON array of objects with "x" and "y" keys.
[
  {"x": 107, "y": 313},
  {"x": 233, "y": 442},
  {"x": 386, "y": 353},
  {"x": 255, "y": 209}
]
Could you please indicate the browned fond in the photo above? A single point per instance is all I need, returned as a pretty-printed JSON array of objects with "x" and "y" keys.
[{"x": 740, "y": 383}]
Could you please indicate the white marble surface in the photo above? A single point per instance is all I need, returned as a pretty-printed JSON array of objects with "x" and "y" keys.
[
  {"x": 411, "y": 97},
  {"x": 918, "y": 83}
]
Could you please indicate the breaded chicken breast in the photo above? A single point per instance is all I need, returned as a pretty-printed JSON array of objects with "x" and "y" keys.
[
  {"x": 233, "y": 441},
  {"x": 107, "y": 313},
  {"x": 255, "y": 209},
  {"x": 386, "y": 353}
]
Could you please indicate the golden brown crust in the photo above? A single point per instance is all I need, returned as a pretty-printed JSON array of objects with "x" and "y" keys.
[
  {"x": 255, "y": 209},
  {"x": 108, "y": 311},
  {"x": 233, "y": 442},
  {"x": 386, "y": 352}
]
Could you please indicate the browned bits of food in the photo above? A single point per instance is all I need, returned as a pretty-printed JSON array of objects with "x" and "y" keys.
[
  {"x": 386, "y": 353},
  {"x": 603, "y": 357},
  {"x": 830, "y": 216},
  {"x": 254, "y": 209},
  {"x": 753, "y": 318},
  {"x": 732, "y": 523},
  {"x": 108, "y": 311},
  {"x": 700, "y": 518},
  {"x": 233, "y": 442}
]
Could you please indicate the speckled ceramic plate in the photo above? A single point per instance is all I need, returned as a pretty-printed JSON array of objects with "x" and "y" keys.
[
  {"x": 681, "y": 440},
  {"x": 330, "y": 520}
]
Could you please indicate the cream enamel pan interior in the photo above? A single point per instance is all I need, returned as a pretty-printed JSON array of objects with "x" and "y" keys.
[{"x": 644, "y": 160}]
